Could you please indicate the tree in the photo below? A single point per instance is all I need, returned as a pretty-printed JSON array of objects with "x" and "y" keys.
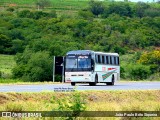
[
  {"x": 139, "y": 71},
  {"x": 37, "y": 66},
  {"x": 85, "y": 14},
  {"x": 152, "y": 12},
  {"x": 5, "y": 44},
  {"x": 140, "y": 9},
  {"x": 122, "y": 9},
  {"x": 96, "y": 7},
  {"x": 42, "y": 3}
]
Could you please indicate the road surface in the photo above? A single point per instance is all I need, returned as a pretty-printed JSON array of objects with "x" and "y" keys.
[{"x": 67, "y": 87}]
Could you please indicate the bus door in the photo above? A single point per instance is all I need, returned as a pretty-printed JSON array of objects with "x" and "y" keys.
[{"x": 58, "y": 69}]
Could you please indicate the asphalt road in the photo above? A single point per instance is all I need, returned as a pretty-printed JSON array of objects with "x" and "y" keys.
[{"x": 67, "y": 87}]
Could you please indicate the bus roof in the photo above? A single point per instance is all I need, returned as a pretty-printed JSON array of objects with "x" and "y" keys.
[
  {"x": 80, "y": 52},
  {"x": 89, "y": 52},
  {"x": 103, "y": 53}
]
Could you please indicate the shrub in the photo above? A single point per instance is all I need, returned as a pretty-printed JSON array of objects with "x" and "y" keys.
[
  {"x": 86, "y": 14},
  {"x": 37, "y": 14},
  {"x": 34, "y": 66},
  {"x": 42, "y": 3},
  {"x": 58, "y": 78},
  {"x": 10, "y": 9},
  {"x": 25, "y": 13},
  {"x": 139, "y": 72},
  {"x": 151, "y": 58},
  {"x": 0, "y": 74},
  {"x": 96, "y": 7},
  {"x": 39, "y": 67},
  {"x": 73, "y": 104},
  {"x": 122, "y": 72},
  {"x": 18, "y": 71}
]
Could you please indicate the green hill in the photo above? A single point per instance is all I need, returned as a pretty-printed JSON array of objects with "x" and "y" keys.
[{"x": 63, "y": 25}]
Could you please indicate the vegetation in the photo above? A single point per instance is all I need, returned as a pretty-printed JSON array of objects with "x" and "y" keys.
[
  {"x": 75, "y": 103},
  {"x": 141, "y": 65},
  {"x": 42, "y": 3},
  {"x": 35, "y": 36},
  {"x": 7, "y": 63},
  {"x": 89, "y": 101}
]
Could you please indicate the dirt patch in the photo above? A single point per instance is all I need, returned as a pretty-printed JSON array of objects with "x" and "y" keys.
[{"x": 3, "y": 98}]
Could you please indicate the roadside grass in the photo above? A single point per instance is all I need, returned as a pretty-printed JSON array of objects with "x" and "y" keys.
[
  {"x": 10, "y": 81},
  {"x": 21, "y": 82},
  {"x": 143, "y": 100}
]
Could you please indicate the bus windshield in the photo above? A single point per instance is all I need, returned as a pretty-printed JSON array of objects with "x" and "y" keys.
[{"x": 78, "y": 63}]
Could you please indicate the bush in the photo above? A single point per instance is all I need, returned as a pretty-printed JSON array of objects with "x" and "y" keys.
[
  {"x": 10, "y": 9},
  {"x": 73, "y": 104},
  {"x": 122, "y": 72},
  {"x": 42, "y": 3},
  {"x": 0, "y": 74},
  {"x": 139, "y": 72},
  {"x": 37, "y": 14},
  {"x": 37, "y": 66},
  {"x": 18, "y": 71},
  {"x": 25, "y": 13},
  {"x": 58, "y": 78},
  {"x": 151, "y": 58},
  {"x": 96, "y": 7}
]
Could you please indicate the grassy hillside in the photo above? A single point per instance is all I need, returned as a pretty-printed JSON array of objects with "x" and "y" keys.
[
  {"x": 62, "y": 7},
  {"x": 121, "y": 27},
  {"x": 56, "y": 4}
]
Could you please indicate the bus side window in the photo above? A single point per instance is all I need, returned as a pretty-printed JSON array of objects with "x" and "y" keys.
[
  {"x": 107, "y": 60},
  {"x": 96, "y": 57},
  {"x": 99, "y": 59},
  {"x": 111, "y": 60},
  {"x": 118, "y": 60},
  {"x": 103, "y": 61},
  {"x": 115, "y": 60}
]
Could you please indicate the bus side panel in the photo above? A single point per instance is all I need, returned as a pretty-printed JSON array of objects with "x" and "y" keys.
[{"x": 105, "y": 72}]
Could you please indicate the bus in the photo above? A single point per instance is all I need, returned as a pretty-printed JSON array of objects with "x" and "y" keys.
[{"x": 87, "y": 66}]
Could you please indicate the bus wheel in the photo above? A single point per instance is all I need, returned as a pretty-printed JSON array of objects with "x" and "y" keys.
[
  {"x": 73, "y": 83},
  {"x": 111, "y": 83}
]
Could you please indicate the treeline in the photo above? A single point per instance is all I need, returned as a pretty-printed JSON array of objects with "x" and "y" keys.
[
  {"x": 139, "y": 9},
  {"x": 36, "y": 36}
]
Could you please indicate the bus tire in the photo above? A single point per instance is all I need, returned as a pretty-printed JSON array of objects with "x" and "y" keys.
[
  {"x": 73, "y": 83},
  {"x": 94, "y": 83},
  {"x": 111, "y": 83}
]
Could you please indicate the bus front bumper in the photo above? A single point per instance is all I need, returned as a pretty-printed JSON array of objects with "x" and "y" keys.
[{"x": 85, "y": 80}]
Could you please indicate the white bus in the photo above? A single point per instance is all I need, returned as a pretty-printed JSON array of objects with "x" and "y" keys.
[{"x": 86, "y": 66}]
